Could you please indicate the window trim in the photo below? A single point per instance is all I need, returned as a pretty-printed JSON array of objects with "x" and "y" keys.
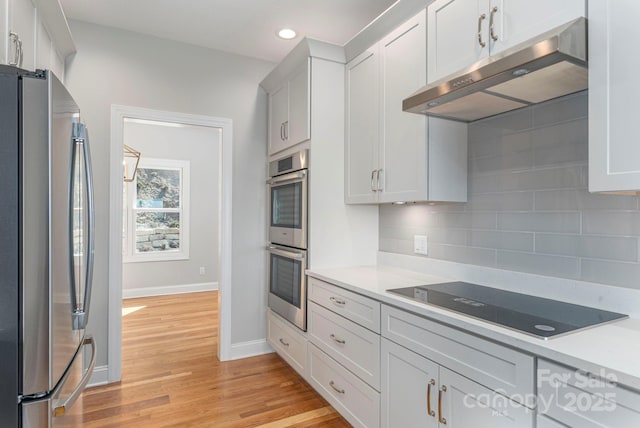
[{"x": 129, "y": 255}]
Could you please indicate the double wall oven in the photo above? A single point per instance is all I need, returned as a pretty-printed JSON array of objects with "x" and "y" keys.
[{"x": 287, "y": 248}]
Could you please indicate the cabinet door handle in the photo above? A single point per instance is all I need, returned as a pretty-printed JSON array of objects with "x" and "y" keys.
[
  {"x": 480, "y": 19},
  {"x": 373, "y": 174},
  {"x": 282, "y": 131},
  {"x": 16, "y": 55},
  {"x": 378, "y": 174},
  {"x": 491, "y": 29},
  {"x": 21, "y": 53},
  {"x": 430, "y": 411},
  {"x": 332, "y": 384},
  {"x": 441, "y": 419},
  {"x": 337, "y": 301},
  {"x": 286, "y": 130},
  {"x": 337, "y": 340},
  {"x": 283, "y": 342}
]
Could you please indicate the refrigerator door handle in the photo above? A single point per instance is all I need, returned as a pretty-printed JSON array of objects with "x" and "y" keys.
[
  {"x": 90, "y": 228},
  {"x": 81, "y": 311},
  {"x": 60, "y": 406}
]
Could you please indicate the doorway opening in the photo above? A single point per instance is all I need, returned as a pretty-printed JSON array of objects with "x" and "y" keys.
[{"x": 170, "y": 213}]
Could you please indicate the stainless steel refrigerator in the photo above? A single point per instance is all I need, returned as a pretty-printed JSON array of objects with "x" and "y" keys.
[{"x": 46, "y": 251}]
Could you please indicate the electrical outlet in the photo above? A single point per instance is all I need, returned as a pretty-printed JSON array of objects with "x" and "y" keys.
[
  {"x": 420, "y": 244},
  {"x": 202, "y": 270}
]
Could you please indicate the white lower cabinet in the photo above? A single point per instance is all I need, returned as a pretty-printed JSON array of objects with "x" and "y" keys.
[
  {"x": 417, "y": 392},
  {"x": 356, "y": 401},
  {"x": 577, "y": 399},
  {"x": 409, "y": 388},
  {"x": 289, "y": 342}
]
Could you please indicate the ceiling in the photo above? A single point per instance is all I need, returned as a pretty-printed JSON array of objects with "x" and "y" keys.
[{"x": 245, "y": 27}]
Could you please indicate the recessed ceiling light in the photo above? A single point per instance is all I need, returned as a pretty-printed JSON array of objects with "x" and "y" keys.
[{"x": 287, "y": 34}]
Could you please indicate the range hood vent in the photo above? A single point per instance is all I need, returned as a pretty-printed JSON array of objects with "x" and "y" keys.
[{"x": 546, "y": 67}]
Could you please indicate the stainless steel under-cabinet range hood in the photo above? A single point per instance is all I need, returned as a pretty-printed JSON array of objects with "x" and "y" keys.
[{"x": 545, "y": 67}]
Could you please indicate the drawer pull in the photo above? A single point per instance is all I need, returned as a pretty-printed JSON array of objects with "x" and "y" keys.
[
  {"x": 441, "y": 419},
  {"x": 283, "y": 342},
  {"x": 430, "y": 411},
  {"x": 337, "y": 340},
  {"x": 337, "y": 301},
  {"x": 332, "y": 384}
]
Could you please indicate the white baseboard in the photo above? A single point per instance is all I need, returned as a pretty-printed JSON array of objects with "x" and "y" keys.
[
  {"x": 100, "y": 376},
  {"x": 250, "y": 349},
  {"x": 128, "y": 293}
]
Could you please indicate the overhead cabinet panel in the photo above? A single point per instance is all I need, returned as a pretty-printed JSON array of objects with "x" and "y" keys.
[
  {"x": 614, "y": 152},
  {"x": 362, "y": 131},
  {"x": 403, "y": 149},
  {"x": 389, "y": 153},
  {"x": 290, "y": 110},
  {"x": 463, "y": 32}
]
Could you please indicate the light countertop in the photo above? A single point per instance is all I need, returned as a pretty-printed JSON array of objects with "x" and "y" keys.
[{"x": 613, "y": 348}]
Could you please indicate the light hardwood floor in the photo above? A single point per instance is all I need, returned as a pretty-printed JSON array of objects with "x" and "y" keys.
[{"x": 171, "y": 376}]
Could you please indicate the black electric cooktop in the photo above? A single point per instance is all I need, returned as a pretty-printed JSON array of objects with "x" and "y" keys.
[{"x": 542, "y": 318}]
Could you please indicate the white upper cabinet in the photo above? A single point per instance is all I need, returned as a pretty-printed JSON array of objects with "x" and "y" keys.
[
  {"x": 614, "y": 152},
  {"x": 21, "y": 36},
  {"x": 393, "y": 156},
  {"x": 278, "y": 117},
  {"x": 462, "y": 32},
  {"x": 457, "y": 35},
  {"x": 362, "y": 131},
  {"x": 34, "y": 34},
  {"x": 516, "y": 21},
  {"x": 43, "y": 45},
  {"x": 403, "y": 152},
  {"x": 289, "y": 110}
]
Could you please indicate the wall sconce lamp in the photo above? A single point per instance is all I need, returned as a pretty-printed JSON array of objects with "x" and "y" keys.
[{"x": 130, "y": 162}]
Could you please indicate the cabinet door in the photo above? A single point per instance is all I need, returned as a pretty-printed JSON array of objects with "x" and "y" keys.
[
  {"x": 43, "y": 46},
  {"x": 468, "y": 404},
  {"x": 403, "y": 152},
  {"x": 614, "y": 154},
  {"x": 278, "y": 116},
  {"x": 298, "y": 126},
  {"x": 515, "y": 21},
  {"x": 362, "y": 130},
  {"x": 23, "y": 22},
  {"x": 452, "y": 40},
  {"x": 408, "y": 382},
  {"x": 4, "y": 31}
]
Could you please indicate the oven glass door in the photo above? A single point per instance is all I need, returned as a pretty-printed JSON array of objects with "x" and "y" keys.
[
  {"x": 286, "y": 205},
  {"x": 288, "y": 209},
  {"x": 286, "y": 275},
  {"x": 287, "y": 284}
]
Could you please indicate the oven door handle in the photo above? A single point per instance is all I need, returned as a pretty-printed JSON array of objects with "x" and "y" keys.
[
  {"x": 288, "y": 177},
  {"x": 279, "y": 251}
]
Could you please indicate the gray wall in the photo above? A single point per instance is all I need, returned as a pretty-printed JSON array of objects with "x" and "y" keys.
[
  {"x": 200, "y": 146},
  {"x": 529, "y": 209},
  {"x": 119, "y": 67}
]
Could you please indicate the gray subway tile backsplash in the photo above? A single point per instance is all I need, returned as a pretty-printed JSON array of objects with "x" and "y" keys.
[
  {"x": 568, "y": 222},
  {"x": 529, "y": 208},
  {"x": 595, "y": 247}
]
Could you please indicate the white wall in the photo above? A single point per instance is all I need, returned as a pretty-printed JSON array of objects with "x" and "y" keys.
[
  {"x": 119, "y": 67},
  {"x": 200, "y": 146}
]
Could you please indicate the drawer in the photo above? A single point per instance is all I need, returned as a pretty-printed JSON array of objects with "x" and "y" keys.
[
  {"x": 499, "y": 368},
  {"x": 288, "y": 341},
  {"x": 356, "y": 401},
  {"x": 576, "y": 398},
  {"x": 352, "y": 345},
  {"x": 359, "y": 309}
]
